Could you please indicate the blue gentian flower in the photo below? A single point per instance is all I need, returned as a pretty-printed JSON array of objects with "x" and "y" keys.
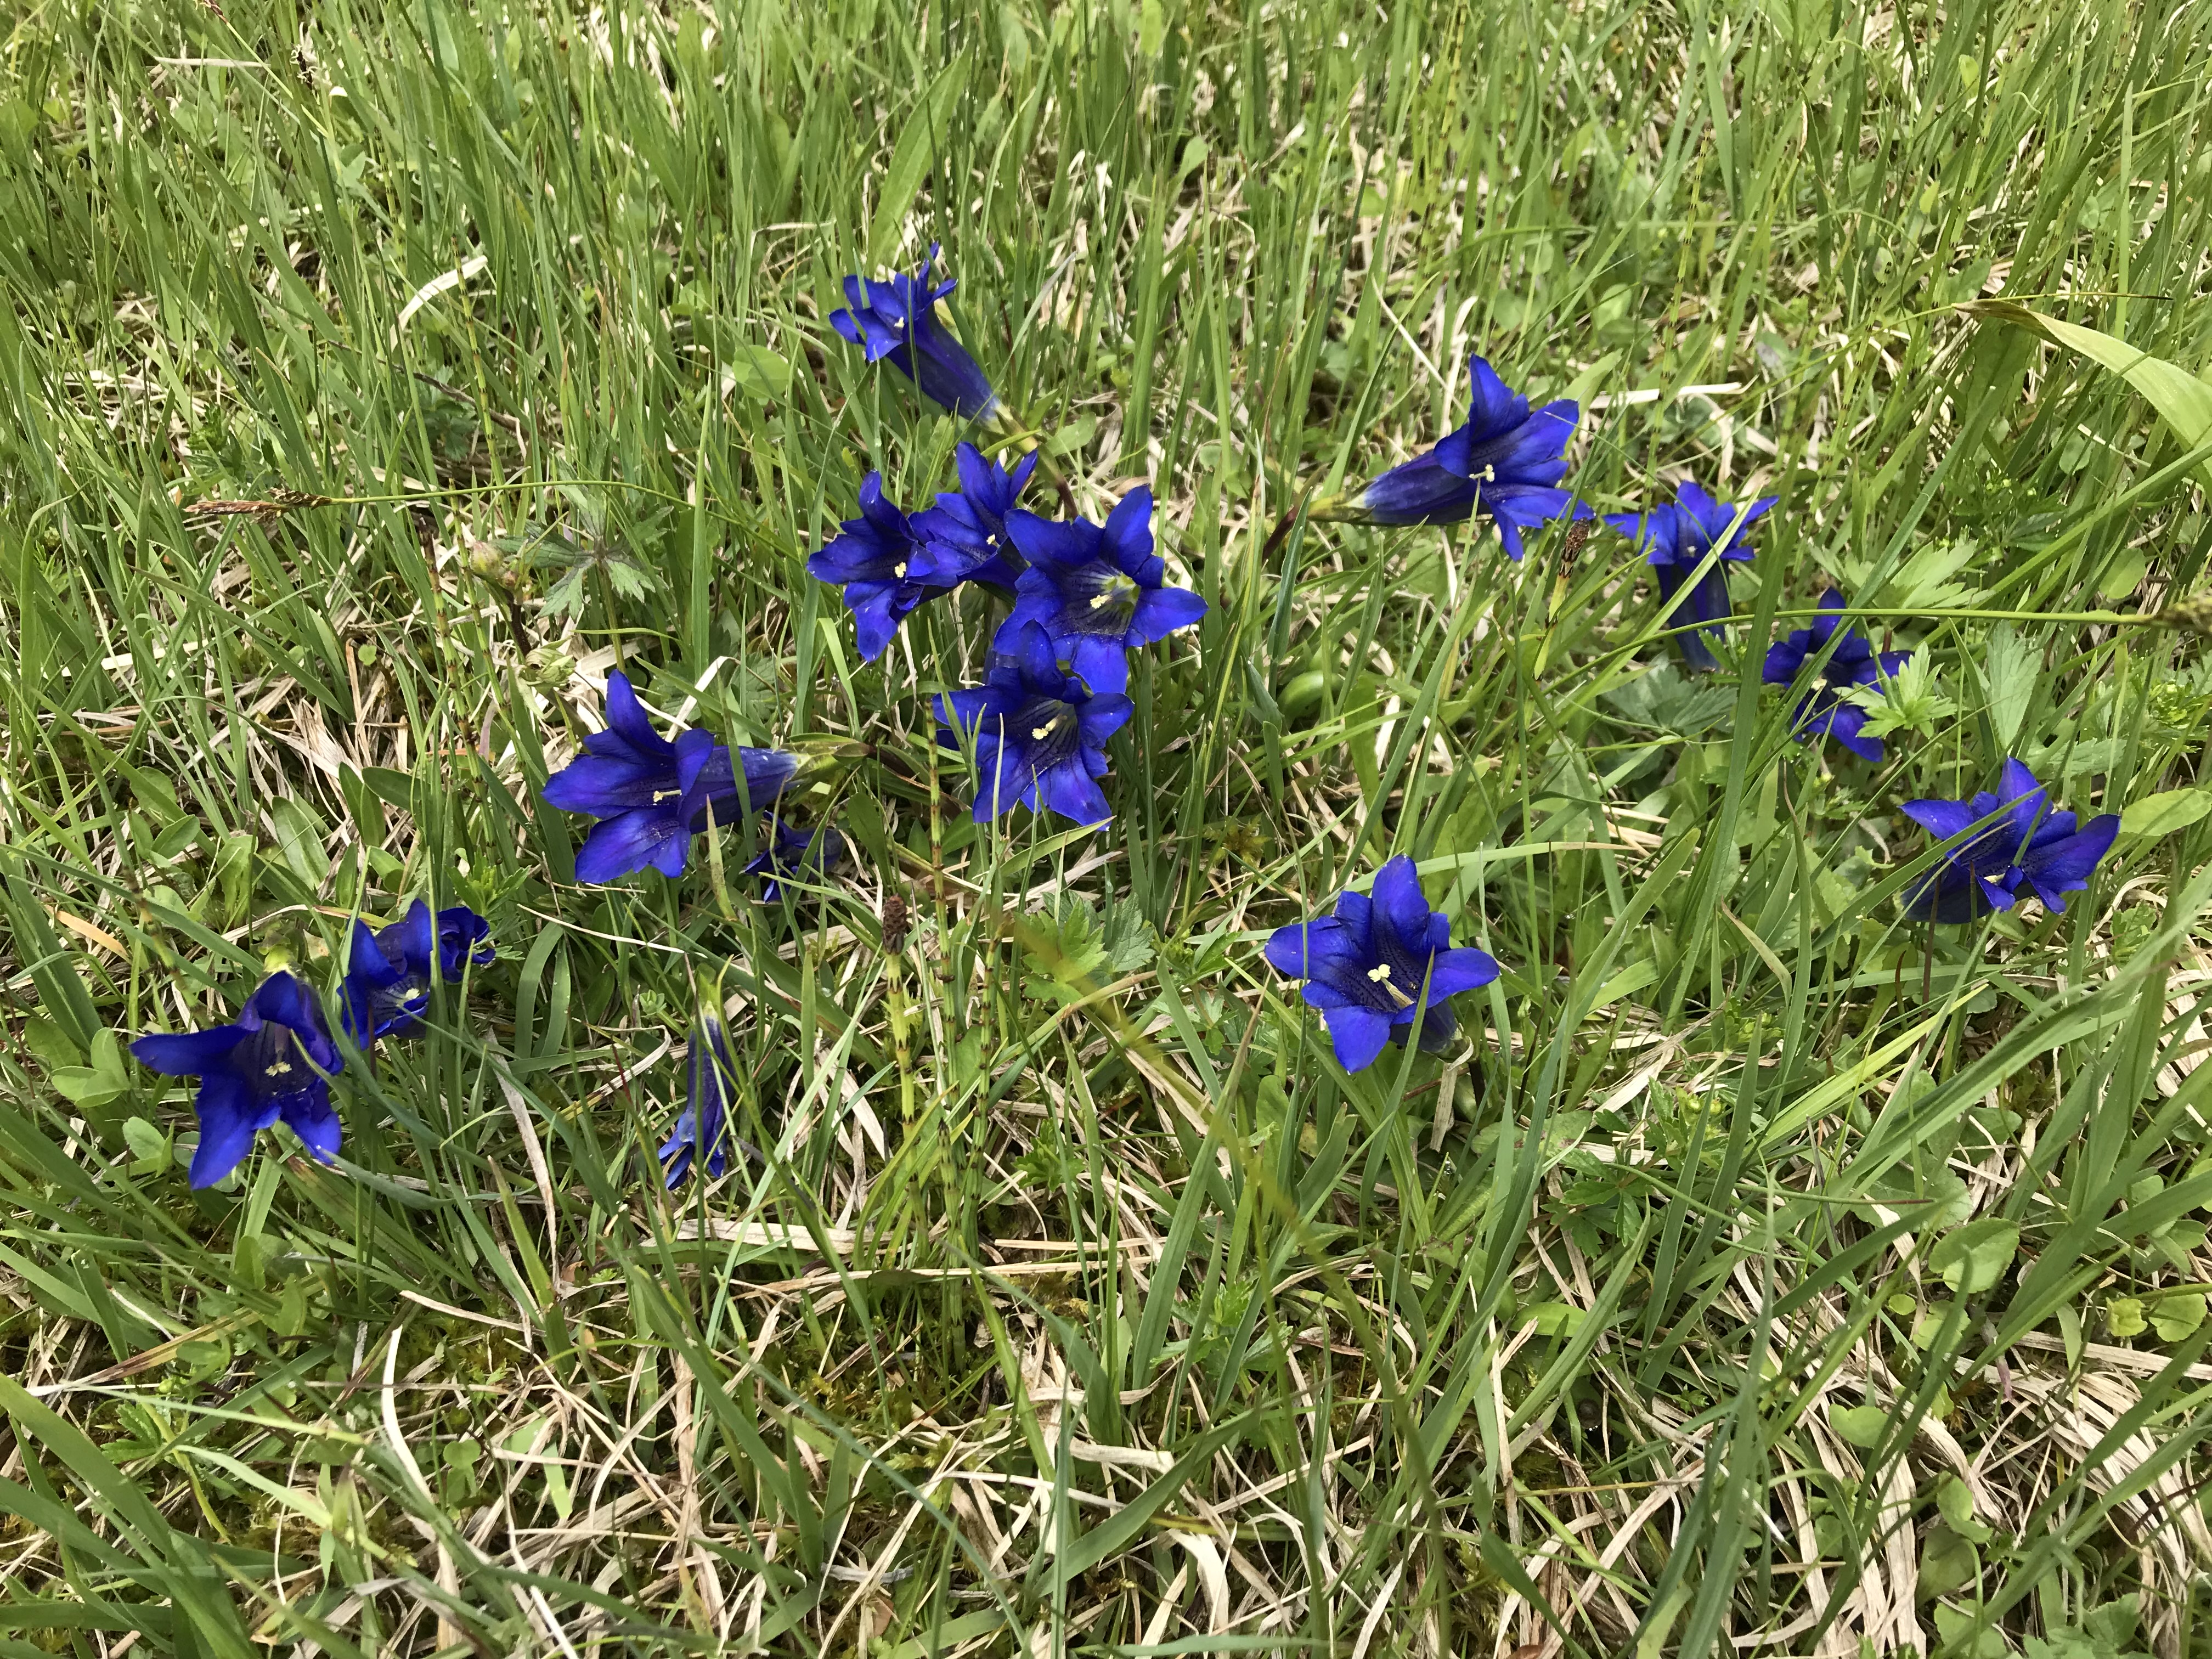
[
  {"x": 2023, "y": 841},
  {"x": 387, "y": 980},
  {"x": 1040, "y": 735},
  {"x": 897, "y": 320},
  {"x": 1675, "y": 539},
  {"x": 651, "y": 795},
  {"x": 703, "y": 1126},
  {"x": 966, "y": 529},
  {"x": 1506, "y": 461},
  {"x": 1854, "y": 662},
  {"x": 274, "y": 1061},
  {"x": 882, "y": 566},
  {"x": 788, "y": 854},
  {"x": 1382, "y": 959},
  {"x": 1096, "y": 590}
]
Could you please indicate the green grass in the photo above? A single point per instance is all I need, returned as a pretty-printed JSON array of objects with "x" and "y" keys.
[{"x": 1761, "y": 1275}]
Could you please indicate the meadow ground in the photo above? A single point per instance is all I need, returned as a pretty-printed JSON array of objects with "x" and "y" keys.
[{"x": 1756, "y": 1270}]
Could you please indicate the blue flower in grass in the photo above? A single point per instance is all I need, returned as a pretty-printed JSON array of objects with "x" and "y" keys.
[
  {"x": 896, "y": 321},
  {"x": 966, "y": 531},
  {"x": 788, "y": 854},
  {"x": 1675, "y": 538},
  {"x": 2020, "y": 841},
  {"x": 1853, "y": 663},
  {"x": 1381, "y": 960},
  {"x": 275, "y": 1061},
  {"x": 1040, "y": 736},
  {"x": 1506, "y": 461},
  {"x": 702, "y": 1129},
  {"x": 651, "y": 795},
  {"x": 1096, "y": 590},
  {"x": 882, "y": 566},
  {"x": 388, "y": 972}
]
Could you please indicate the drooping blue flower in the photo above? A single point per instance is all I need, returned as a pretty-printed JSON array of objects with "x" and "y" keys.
[
  {"x": 1040, "y": 735},
  {"x": 1383, "y": 959},
  {"x": 896, "y": 321},
  {"x": 275, "y": 1061},
  {"x": 387, "y": 980},
  {"x": 1822, "y": 711},
  {"x": 2022, "y": 840},
  {"x": 788, "y": 854},
  {"x": 1506, "y": 461},
  {"x": 651, "y": 795},
  {"x": 702, "y": 1128},
  {"x": 1096, "y": 590},
  {"x": 1675, "y": 538},
  {"x": 966, "y": 531},
  {"x": 882, "y": 566}
]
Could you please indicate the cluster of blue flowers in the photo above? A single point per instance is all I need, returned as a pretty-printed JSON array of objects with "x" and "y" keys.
[
  {"x": 1081, "y": 597},
  {"x": 273, "y": 1063}
]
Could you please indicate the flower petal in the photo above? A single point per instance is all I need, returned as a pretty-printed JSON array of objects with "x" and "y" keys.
[
  {"x": 625, "y": 844},
  {"x": 187, "y": 1054},
  {"x": 1358, "y": 1034},
  {"x": 229, "y": 1118}
]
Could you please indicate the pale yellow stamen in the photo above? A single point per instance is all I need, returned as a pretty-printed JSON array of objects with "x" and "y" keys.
[
  {"x": 1489, "y": 475},
  {"x": 1381, "y": 971},
  {"x": 280, "y": 1067},
  {"x": 1040, "y": 732},
  {"x": 899, "y": 570},
  {"x": 1103, "y": 598},
  {"x": 661, "y": 795}
]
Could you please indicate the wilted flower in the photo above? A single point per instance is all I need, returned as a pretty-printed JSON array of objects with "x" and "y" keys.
[
  {"x": 1040, "y": 736},
  {"x": 651, "y": 795},
  {"x": 788, "y": 854},
  {"x": 387, "y": 980},
  {"x": 1381, "y": 960},
  {"x": 881, "y": 565},
  {"x": 2021, "y": 841},
  {"x": 897, "y": 320},
  {"x": 274, "y": 1061},
  {"x": 1823, "y": 711},
  {"x": 1506, "y": 461},
  {"x": 1096, "y": 590},
  {"x": 702, "y": 1129},
  {"x": 966, "y": 531},
  {"x": 1675, "y": 539}
]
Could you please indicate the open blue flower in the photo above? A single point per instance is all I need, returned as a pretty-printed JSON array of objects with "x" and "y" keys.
[
  {"x": 275, "y": 1061},
  {"x": 966, "y": 531},
  {"x": 702, "y": 1128},
  {"x": 882, "y": 566},
  {"x": 651, "y": 795},
  {"x": 1506, "y": 461},
  {"x": 1675, "y": 539},
  {"x": 896, "y": 321},
  {"x": 2019, "y": 840},
  {"x": 388, "y": 972},
  {"x": 1853, "y": 663},
  {"x": 1096, "y": 590},
  {"x": 1381, "y": 960},
  {"x": 788, "y": 854},
  {"x": 1040, "y": 736}
]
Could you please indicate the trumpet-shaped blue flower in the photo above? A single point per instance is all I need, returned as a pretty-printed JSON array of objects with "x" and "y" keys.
[
  {"x": 966, "y": 529},
  {"x": 2020, "y": 840},
  {"x": 1382, "y": 961},
  {"x": 1822, "y": 711},
  {"x": 1506, "y": 461},
  {"x": 702, "y": 1129},
  {"x": 788, "y": 854},
  {"x": 896, "y": 321},
  {"x": 388, "y": 972},
  {"x": 883, "y": 566},
  {"x": 651, "y": 795},
  {"x": 1096, "y": 590},
  {"x": 1675, "y": 539},
  {"x": 1040, "y": 735},
  {"x": 275, "y": 1061}
]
